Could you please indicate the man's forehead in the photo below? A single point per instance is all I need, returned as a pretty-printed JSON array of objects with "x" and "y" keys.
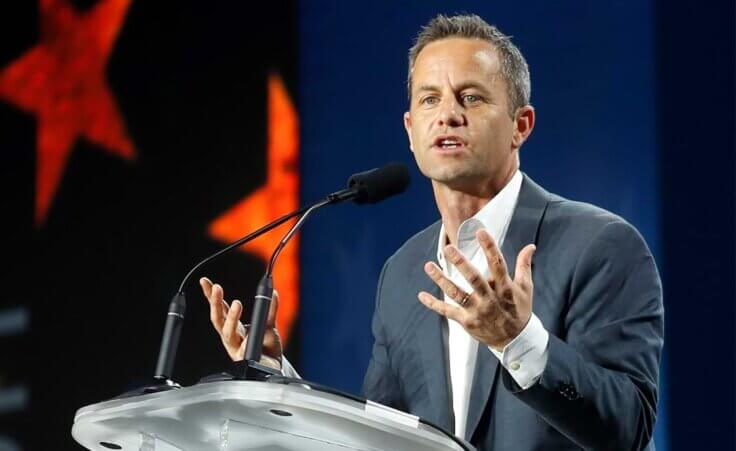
[{"x": 458, "y": 53}]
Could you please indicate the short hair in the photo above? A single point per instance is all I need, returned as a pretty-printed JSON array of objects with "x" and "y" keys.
[{"x": 514, "y": 68}]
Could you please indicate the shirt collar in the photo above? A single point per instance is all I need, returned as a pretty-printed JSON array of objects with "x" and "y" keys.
[{"x": 495, "y": 217}]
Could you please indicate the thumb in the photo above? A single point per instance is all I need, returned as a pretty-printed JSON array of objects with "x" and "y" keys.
[
  {"x": 273, "y": 309},
  {"x": 523, "y": 274}
]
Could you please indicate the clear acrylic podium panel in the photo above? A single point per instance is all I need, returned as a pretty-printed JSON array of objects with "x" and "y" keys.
[{"x": 249, "y": 415}]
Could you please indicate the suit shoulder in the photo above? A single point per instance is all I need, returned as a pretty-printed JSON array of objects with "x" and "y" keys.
[
  {"x": 417, "y": 245},
  {"x": 565, "y": 218},
  {"x": 567, "y": 221},
  {"x": 582, "y": 217}
]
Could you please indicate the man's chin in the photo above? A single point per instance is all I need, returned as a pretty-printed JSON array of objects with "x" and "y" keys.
[{"x": 455, "y": 179}]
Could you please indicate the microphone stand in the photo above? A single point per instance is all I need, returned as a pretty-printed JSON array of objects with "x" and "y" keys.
[
  {"x": 250, "y": 367},
  {"x": 177, "y": 307},
  {"x": 365, "y": 187}
]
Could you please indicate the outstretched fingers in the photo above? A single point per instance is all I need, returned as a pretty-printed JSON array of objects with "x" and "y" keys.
[
  {"x": 496, "y": 265},
  {"x": 523, "y": 274},
  {"x": 229, "y": 333},
  {"x": 218, "y": 307},
  {"x": 442, "y": 281},
  {"x": 226, "y": 321},
  {"x": 479, "y": 284},
  {"x": 440, "y": 307}
]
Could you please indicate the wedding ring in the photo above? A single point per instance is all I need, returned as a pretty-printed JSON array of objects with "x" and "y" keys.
[{"x": 465, "y": 300}]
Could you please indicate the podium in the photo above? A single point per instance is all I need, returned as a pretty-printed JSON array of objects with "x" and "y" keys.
[{"x": 253, "y": 415}]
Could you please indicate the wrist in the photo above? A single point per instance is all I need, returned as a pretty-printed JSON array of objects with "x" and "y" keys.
[{"x": 520, "y": 326}]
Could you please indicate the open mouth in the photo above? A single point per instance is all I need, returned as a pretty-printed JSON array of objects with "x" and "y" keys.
[{"x": 446, "y": 142}]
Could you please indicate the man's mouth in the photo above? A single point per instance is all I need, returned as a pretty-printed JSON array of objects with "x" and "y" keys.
[{"x": 447, "y": 142}]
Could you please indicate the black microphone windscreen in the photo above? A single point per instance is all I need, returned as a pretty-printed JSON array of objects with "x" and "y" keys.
[{"x": 377, "y": 184}]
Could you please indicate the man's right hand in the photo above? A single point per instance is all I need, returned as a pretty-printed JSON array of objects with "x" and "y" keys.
[{"x": 226, "y": 320}]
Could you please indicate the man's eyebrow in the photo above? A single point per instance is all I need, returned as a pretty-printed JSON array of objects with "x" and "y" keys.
[
  {"x": 460, "y": 87},
  {"x": 473, "y": 85},
  {"x": 428, "y": 88}
]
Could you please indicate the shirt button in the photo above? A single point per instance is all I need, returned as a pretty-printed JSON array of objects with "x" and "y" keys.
[{"x": 515, "y": 365}]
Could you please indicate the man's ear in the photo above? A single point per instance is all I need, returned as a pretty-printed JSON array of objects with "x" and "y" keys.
[
  {"x": 524, "y": 124},
  {"x": 407, "y": 127}
]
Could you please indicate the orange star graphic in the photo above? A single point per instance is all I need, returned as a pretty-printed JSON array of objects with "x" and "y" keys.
[
  {"x": 280, "y": 195},
  {"x": 62, "y": 82}
]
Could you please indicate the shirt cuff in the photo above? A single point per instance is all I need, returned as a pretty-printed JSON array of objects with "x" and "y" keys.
[{"x": 525, "y": 357}]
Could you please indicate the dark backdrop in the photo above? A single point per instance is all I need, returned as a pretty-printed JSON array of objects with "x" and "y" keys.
[{"x": 87, "y": 289}]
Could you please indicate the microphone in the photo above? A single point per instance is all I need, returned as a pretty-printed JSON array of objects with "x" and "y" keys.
[
  {"x": 370, "y": 186},
  {"x": 378, "y": 184}
]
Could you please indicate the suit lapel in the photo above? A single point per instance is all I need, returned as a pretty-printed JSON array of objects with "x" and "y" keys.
[
  {"x": 486, "y": 368},
  {"x": 522, "y": 230},
  {"x": 525, "y": 221},
  {"x": 431, "y": 343}
]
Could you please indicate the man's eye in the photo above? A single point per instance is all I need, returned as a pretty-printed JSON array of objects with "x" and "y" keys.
[
  {"x": 471, "y": 98},
  {"x": 430, "y": 100}
]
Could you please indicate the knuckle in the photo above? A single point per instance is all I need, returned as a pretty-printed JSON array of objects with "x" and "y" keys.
[
  {"x": 449, "y": 288},
  {"x": 507, "y": 293},
  {"x": 233, "y": 315},
  {"x": 227, "y": 334},
  {"x": 433, "y": 270},
  {"x": 475, "y": 279},
  {"x": 523, "y": 285},
  {"x": 476, "y": 323},
  {"x": 457, "y": 295}
]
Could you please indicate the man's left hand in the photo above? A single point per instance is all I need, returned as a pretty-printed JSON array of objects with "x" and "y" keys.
[{"x": 498, "y": 308}]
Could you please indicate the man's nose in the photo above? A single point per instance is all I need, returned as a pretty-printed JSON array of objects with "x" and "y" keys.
[{"x": 451, "y": 114}]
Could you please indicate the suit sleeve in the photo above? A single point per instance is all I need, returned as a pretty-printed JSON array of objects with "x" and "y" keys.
[
  {"x": 599, "y": 387},
  {"x": 381, "y": 384}
]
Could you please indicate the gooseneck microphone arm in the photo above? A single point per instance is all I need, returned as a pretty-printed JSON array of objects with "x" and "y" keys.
[
  {"x": 365, "y": 187},
  {"x": 242, "y": 241},
  {"x": 177, "y": 307},
  {"x": 264, "y": 292},
  {"x": 340, "y": 196}
]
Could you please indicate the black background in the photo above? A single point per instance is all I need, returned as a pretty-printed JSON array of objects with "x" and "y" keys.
[{"x": 97, "y": 275}]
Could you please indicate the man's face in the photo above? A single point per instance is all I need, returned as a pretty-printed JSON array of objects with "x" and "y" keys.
[{"x": 459, "y": 126}]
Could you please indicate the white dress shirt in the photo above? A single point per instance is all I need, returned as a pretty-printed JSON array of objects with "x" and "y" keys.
[{"x": 525, "y": 357}]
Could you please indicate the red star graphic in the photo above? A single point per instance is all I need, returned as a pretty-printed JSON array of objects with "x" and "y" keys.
[
  {"x": 62, "y": 82},
  {"x": 278, "y": 196}
]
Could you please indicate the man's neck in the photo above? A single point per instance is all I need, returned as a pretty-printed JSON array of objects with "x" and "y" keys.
[{"x": 457, "y": 205}]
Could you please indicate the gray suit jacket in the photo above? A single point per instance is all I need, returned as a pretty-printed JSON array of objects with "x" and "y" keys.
[{"x": 597, "y": 292}]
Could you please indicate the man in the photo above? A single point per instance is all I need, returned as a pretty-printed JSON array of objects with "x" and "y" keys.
[{"x": 561, "y": 355}]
